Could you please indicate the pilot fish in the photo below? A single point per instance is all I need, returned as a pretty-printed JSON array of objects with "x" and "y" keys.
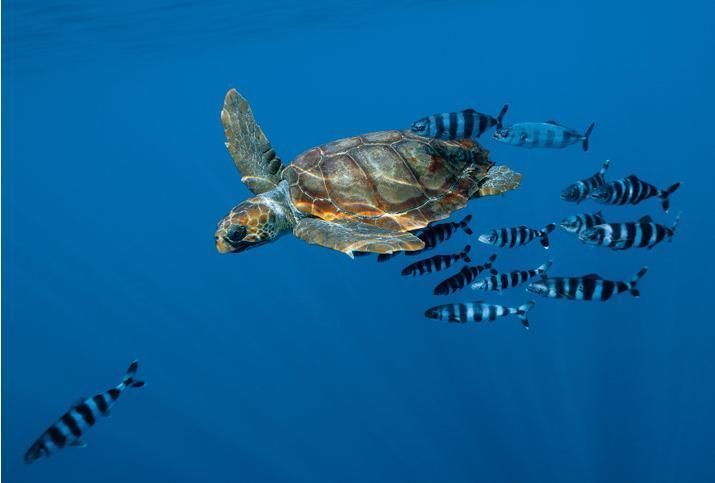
[
  {"x": 580, "y": 190},
  {"x": 70, "y": 428},
  {"x": 477, "y": 312},
  {"x": 588, "y": 287},
  {"x": 436, "y": 263},
  {"x": 433, "y": 235},
  {"x": 517, "y": 236},
  {"x": 631, "y": 190},
  {"x": 464, "y": 277},
  {"x": 576, "y": 224},
  {"x": 549, "y": 134},
  {"x": 643, "y": 233},
  {"x": 513, "y": 279},
  {"x": 457, "y": 125}
]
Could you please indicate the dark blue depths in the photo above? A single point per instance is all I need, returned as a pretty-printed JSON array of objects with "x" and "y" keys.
[{"x": 294, "y": 363}]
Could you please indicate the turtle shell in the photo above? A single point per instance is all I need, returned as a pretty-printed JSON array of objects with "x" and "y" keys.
[{"x": 395, "y": 180}]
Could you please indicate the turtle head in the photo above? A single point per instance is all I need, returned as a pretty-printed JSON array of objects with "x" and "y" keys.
[{"x": 249, "y": 224}]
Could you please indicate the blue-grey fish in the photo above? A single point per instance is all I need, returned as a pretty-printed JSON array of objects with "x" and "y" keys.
[
  {"x": 588, "y": 287},
  {"x": 631, "y": 190},
  {"x": 575, "y": 224},
  {"x": 433, "y": 235},
  {"x": 477, "y": 312},
  {"x": 464, "y": 277},
  {"x": 436, "y": 263},
  {"x": 517, "y": 236},
  {"x": 70, "y": 428},
  {"x": 457, "y": 125},
  {"x": 549, "y": 134},
  {"x": 644, "y": 233},
  {"x": 580, "y": 190},
  {"x": 512, "y": 279}
]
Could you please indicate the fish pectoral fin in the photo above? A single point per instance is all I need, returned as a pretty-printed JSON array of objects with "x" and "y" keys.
[{"x": 78, "y": 443}]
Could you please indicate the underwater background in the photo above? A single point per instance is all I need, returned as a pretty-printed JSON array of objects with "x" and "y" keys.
[{"x": 292, "y": 362}]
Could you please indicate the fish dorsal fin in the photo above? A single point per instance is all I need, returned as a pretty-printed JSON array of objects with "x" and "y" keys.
[
  {"x": 593, "y": 275},
  {"x": 551, "y": 121},
  {"x": 469, "y": 111},
  {"x": 77, "y": 402},
  {"x": 645, "y": 219}
]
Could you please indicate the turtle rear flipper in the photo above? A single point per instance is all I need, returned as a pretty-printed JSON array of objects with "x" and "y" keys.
[
  {"x": 351, "y": 236},
  {"x": 251, "y": 151}
]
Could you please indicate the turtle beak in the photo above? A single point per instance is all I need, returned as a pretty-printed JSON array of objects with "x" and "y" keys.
[{"x": 223, "y": 246}]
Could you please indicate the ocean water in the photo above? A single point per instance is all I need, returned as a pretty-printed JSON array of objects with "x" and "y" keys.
[{"x": 291, "y": 362}]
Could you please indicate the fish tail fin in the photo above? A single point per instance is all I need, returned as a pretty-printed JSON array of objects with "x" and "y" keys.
[
  {"x": 604, "y": 168},
  {"x": 522, "y": 311},
  {"x": 465, "y": 254},
  {"x": 544, "y": 234},
  {"x": 665, "y": 196},
  {"x": 464, "y": 225},
  {"x": 490, "y": 260},
  {"x": 675, "y": 225},
  {"x": 632, "y": 288},
  {"x": 500, "y": 117},
  {"x": 587, "y": 135},
  {"x": 129, "y": 380},
  {"x": 544, "y": 268}
]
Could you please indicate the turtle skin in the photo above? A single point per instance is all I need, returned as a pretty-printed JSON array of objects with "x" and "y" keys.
[{"x": 394, "y": 180}]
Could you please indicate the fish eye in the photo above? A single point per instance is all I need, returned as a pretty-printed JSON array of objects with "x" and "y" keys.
[{"x": 236, "y": 233}]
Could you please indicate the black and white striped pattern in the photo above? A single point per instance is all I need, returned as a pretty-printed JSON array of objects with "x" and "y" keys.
[
  {"x": 464, "y": 277},
  {"x": 631, "y": 190},
  {"x": 588, "y": 287},
  {"x": 477, "y": 312},
  {"x": 513, "y": 279},
  {"x": 467, "y": 124},
  {"x": 70, "y": 428},
  {"x": 517, "y": 236},
  {"x": 436, "y": 263},
  {"x": 433, "y": 236},
  {"x": 576, "y": 224},
  {"x": 580, "y": 190},
  {"x": 644, "y": 233}
]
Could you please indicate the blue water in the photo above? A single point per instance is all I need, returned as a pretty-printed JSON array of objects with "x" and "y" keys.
[{"x": 292, "y": 362}]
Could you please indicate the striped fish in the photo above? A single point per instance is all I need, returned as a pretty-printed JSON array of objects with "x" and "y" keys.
[
  {"x": 576, "y": 224},
  {"x": 643, "y": 233},
  {"x": 549, "y": 134},
  {"x": 464, "y": 277},
  {"x": 477, "y": 312},
  {"x": 70, "y": 428},
  {"x": 457, "y": 125},
  {"x": 631, "y": 190},
  {"x": 436, "y": 263},
  {"x": 434, "y": 235},
  {"x": 513, "y": 279},
  {"x": 517, "y": 236},
  {"x": 588, "y": 287},
  {"x": 580, "y": 190}
]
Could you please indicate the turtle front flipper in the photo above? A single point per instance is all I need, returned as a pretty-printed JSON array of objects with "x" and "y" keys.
[
  {"x": 251, "y": 151},
  {"x": 350, "y": 236},
  {"x": 499, "y": 180}
]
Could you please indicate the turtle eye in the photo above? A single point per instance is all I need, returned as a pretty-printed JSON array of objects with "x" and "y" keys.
[{"x": 236, "y": 233}]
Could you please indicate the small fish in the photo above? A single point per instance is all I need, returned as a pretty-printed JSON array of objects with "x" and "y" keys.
[
  {"x": 436, "y": 263},
  {"x": 580, "y": 190},
  {"x": 464, "y": 277},
  {"x": 457, "y": 125},
  {"x": 517, "y": 236},
  {"x": 70, "y": 428},
  {"x": 477, "y": 312},
  {"x": 576, "y": 224},
  {"x": 513, "y": 279},
  {"x": 631, "y": 190},
  {"x": 588, "y": 287},
  {"x": 643, "y": 233},
  {"x": 434, "y": 235},
  {"x": 549, "y": 134}
]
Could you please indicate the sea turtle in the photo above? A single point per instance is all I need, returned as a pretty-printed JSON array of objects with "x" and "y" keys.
[{"x": 360, "y": 194}]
